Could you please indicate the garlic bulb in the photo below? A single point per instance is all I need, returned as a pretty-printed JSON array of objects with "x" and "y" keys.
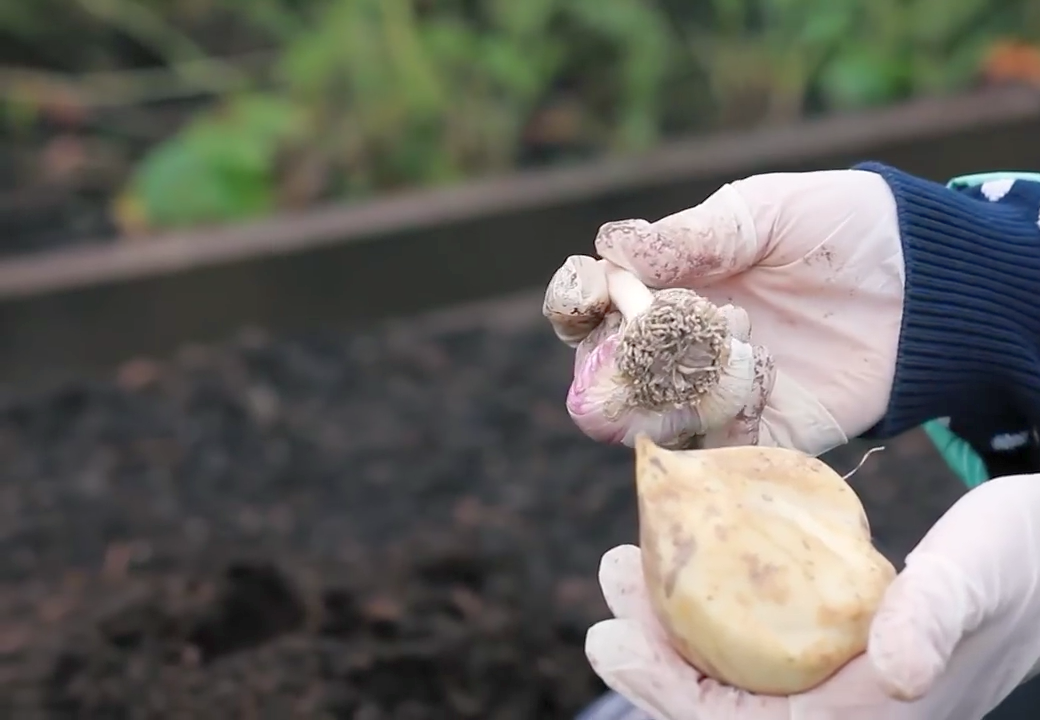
[
  {"x": 669, "y": 363},
  {"x": 758, "y": 562}
]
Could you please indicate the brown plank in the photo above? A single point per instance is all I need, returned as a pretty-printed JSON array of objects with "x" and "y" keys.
[{"x": 87, "y": 308}]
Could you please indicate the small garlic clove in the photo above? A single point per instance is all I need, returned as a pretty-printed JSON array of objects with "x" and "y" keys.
[
  {"x": 737, "y": 321},
  {"x": 595, "y": 397},
  {"x": 746, "y": 427},
  {"x": 610, "y": 326},
  {"x": 576, "y": 299},
  {"x": 734, "y": 389}
]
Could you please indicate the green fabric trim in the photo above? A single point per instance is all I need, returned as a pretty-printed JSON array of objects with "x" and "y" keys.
[
  {"x": 958, "y": 455},
  {"x": 979, "y": 178}
]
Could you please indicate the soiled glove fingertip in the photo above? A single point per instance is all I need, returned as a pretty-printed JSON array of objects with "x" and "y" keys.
[
  {"x": 627, "y": 244},
  {"x": 620, "y": 564}
]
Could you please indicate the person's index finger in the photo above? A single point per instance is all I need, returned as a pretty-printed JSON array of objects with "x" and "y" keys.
[{"x": 704, "y": 243}]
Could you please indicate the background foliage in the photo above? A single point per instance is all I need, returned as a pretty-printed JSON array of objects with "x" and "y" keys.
[{"x": 225, "y": 109}]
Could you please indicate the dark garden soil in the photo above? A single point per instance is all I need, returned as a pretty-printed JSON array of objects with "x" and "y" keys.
[{"x": 400, "y": 523}]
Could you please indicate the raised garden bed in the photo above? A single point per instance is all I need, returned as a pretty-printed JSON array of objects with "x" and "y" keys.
[
  {"x": 88, "y": 308},
  {"x": 396, "y": 523}
]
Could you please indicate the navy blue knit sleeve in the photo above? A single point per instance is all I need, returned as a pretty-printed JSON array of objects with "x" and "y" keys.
[{"x": 969, "y": 346}]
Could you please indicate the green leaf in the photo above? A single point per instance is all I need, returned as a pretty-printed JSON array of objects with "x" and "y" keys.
[
  {"x": 937, "y": 22},
  {"x": 731, "y": 16},
  {"x": 646, "y": 44},
  {"x": 522, "y": 18},
  {"x": 451, "y": 41},
  {"x": 220, "y": 167},
  {"x": 416, "y": 76},
  {"x": 514, "y": 70},
  {"x": 829, "y": 23},
  {"x": 862, "y": 76},
  {"x": 309, "y": 67}
]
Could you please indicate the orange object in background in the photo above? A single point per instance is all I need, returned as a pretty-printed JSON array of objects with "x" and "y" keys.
[{"x": 1012, "y": 61}]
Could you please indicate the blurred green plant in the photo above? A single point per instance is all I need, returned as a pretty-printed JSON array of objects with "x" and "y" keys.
[
  {"x": 784, "y": 56},
  {"x": 220, "y": 167},
  {"x": 904, "y": 48},
  {"x": 345, "y": 98},
  {"x": 396, "y": 93}
]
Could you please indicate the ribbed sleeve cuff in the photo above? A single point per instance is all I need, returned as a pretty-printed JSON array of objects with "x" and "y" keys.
[{"x": 968, "y": 342}]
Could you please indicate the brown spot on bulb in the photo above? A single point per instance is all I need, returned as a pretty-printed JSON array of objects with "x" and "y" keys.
[
  {"x": 685, "y": 548},
  {"x": 766, "y": 578}
]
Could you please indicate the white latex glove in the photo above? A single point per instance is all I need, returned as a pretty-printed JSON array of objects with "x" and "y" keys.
[
  {"x": 957, "y": 630},
  {"x": 816, "y": 261}
]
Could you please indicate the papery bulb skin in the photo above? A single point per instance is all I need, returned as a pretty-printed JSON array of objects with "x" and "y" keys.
[
  {"x": 758, "y": 562},
  {"x": 595, "y": 399},
  {"x": 598, "y": 401}
]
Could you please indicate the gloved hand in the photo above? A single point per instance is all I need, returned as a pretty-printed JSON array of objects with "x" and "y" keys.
[
  {"x": 957, "y": 630},
  {"x": 815, "y": 260}
]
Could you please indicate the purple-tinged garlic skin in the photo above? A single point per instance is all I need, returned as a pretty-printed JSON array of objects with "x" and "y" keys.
[
  {"x": 667, "y": 363},
  {"x": 598, "y": 401}
]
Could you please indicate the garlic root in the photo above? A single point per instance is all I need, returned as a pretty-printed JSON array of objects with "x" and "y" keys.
[
  {"x": 675, "y": 350},
  {"x": 758, "y": 562}
]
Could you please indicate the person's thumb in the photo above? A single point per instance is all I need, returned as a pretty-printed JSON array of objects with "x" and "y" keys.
[
  {"x": 691, "y": 248},
  {"x": 925, "y": 613},
  {"x": 972, "y": 583}
]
